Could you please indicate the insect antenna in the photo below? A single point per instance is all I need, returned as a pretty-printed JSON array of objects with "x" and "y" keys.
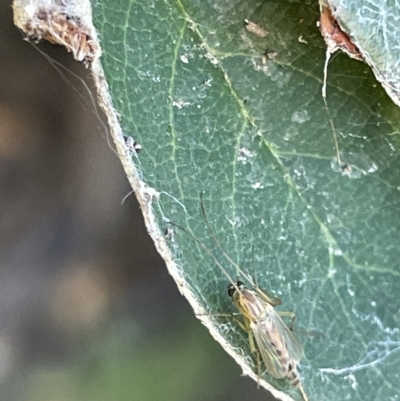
[
  {"x": 270, "y": 298},
  {"x": 216, "y": 240},
  {"x": 252, "y": 266},
  {"x": 227, "y": 275}
]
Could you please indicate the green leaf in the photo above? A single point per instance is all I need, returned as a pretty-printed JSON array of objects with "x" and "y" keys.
[{"x": 213, "y": 113}]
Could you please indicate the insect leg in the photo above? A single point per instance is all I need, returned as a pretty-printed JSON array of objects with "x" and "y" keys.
[
  {"x": 247, "y": 328},
  {"x": 242, "y": 325},
  {"x": 255, "y": 350},
  {"x": 303, "y": 393},
  {"x": 292, "y": 315},
  {"x": 269, "y": 298}
]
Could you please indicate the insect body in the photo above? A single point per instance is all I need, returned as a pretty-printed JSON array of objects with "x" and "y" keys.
[{"x": 276, "y": 344}]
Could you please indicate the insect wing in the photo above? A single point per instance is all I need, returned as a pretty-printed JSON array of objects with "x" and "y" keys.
[{"x": 277, "y": 345}]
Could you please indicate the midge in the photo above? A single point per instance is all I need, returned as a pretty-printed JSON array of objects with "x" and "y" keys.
[
  {"x": 276, "y": 344},
  {"x": 279, "y": 349}
]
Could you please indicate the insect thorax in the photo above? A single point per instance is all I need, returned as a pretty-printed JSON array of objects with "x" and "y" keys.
[{"x": 251, "y": 305}]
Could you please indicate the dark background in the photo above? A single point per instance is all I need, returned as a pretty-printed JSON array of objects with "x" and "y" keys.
[{"x": 87, "y": 308}]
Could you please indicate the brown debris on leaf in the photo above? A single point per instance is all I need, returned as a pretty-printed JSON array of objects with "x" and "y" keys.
[
  {"x": 67, "y": 23},
  {"x": 335, "y": 39},
  {"x": 256, "y": 29}
]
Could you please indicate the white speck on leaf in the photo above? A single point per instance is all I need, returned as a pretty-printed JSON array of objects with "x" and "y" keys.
[
  {"x": 212, "y": 58},
  {"x": 245, "y": 154},
  {"x": 300, "y": 116},
  {"x": 352, "y": 379},
  {"x": 257, "y": 185},
  {"x": 302, "y": 40},
  {"x": 180, "y": 104}
]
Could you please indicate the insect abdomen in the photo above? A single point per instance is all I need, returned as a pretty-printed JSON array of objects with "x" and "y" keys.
[{"x": 292, "y": 376}]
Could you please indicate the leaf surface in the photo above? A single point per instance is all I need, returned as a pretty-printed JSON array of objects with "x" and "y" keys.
[{"x": 214, "y": 114}]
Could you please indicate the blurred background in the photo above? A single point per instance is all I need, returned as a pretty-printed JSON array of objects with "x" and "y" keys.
[{"x": 87, "y": 308}]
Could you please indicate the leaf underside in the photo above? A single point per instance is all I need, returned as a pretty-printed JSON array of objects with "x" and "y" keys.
[{"x": 212, "y": 113}]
